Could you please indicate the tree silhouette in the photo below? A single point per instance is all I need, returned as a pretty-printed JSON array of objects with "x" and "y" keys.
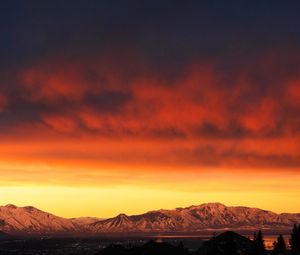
[
  {"x": 279, "y": 246},
  {"x": 259, "y": 244},
  {"x": 295, "y": 240}
]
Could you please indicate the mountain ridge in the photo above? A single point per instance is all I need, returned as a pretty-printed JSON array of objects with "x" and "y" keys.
[
  {"x": 207, "y": 216},
  {"x": 198, "y": 218}
]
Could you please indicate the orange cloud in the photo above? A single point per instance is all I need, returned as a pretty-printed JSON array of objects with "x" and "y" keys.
[
  {"x": 293, "y": 93},
  {"x": 200, "y": 117}
]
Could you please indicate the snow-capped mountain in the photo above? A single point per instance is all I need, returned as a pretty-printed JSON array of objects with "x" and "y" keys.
[
  {"x": 31, "y": 220},
  {"x": 211, "y": 216},
  {"x": 197, "y": 218}
]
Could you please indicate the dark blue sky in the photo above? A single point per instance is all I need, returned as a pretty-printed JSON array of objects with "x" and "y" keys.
[{"x": 163, "y": 31}]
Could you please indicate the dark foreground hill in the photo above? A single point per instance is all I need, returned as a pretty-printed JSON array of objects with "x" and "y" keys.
[
  {"x": 228, "y": 243},
  {"x": 146, "y": 249}
]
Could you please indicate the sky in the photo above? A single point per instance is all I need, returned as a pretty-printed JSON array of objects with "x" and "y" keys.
[{"x": 111, "y": 107}]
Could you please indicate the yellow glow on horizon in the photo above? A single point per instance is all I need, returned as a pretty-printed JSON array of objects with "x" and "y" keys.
[
  {"x": 110, "y": 201},
  {"x": 74, "y": 190}
]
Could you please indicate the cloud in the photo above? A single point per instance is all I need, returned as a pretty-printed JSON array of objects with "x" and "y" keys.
[
  {"x": 216, "y": 117},
  {"x": 197, "y": 100}
]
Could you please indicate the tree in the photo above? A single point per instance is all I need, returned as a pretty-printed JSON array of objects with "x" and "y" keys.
[
  {"x": 279, "y": 246},
  {"x": 295, "y": 240},
  {"x": 259, "y": 244}
]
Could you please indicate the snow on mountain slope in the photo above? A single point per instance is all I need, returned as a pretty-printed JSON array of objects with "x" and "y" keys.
[
  {"x": 197, "y": 218},
  {"x": 28, "y": 219}
]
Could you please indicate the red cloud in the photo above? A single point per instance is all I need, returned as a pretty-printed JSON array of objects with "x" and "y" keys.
[
  {"x": 49, "y": 82},
  {"x": 63, "y": 124},
  {"x": 216, "y": 116},
  {"x": 293, "y": 93}
]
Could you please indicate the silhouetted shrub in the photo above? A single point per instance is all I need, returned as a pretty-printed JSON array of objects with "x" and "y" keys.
[
  {"x": 259, "y": 244},
  {"x": 279, "y": 246}
]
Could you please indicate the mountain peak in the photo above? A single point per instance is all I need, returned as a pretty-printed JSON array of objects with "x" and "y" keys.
[
  {"x": 122, "y": 216},
  {"x": 213, "y": 204},
  {"x": 30, "y": 208},
  {"x": 25, "y": 208},
  {"x": 11, "y": 206}
]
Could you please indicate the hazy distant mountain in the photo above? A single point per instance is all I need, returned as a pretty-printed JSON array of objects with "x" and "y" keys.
[
  {"x": 209, "y": 216},
  {"x": 197, "y": 218},
  {"x": 84, "y": 221}
]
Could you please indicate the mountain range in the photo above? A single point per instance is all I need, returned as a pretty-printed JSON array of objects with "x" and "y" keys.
[{"x": 204, "y": 217}]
